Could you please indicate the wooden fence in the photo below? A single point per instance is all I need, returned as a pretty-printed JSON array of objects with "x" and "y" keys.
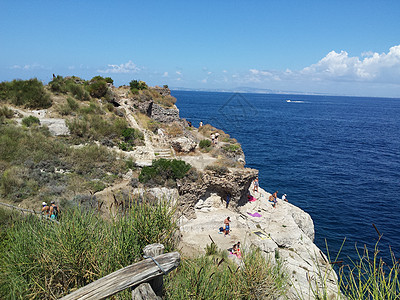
[{"x": 145, "y": 278}]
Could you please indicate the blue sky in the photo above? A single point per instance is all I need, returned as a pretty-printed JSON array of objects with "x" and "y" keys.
[{"x": 334, "y": 47}]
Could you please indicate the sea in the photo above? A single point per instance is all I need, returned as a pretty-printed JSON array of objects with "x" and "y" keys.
[{"x": 336, "y": 157}]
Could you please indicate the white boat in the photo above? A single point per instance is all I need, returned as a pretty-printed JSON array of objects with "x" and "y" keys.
[{"x": 288, "y": 100}]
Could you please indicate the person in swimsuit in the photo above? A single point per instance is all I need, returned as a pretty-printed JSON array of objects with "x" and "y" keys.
[
  {"x": 256, "y": 185},
  {"x": 227, "y": 228}
]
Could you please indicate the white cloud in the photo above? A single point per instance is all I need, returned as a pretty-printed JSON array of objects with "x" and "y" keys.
[
  {"x": 204, "y": 80},
  {"x": 260, "y": 76},
  {"x": 165, "y": 74},
  {"x": 178, "y": 72},
  {"x": 27, "y": 67},
  {"x": 373, "y": 67},
  {"x": 369, "y": 67},
  {"x": 128, "y": 67}
]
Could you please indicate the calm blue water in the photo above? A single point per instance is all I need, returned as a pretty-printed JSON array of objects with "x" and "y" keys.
[{"x": 338, "y": 158}]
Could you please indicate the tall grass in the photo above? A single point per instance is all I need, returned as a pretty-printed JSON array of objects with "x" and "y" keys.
[
  {"x": 370, "y": 277},
  {"x": 367, "y": 277},
  {"x": 44, "y": 260},
  {"x": 216, "y": 277}
]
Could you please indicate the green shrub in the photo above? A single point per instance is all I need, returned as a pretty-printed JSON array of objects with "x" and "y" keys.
[
  {"x": 131, "y": 137},
  {"x": 57, "y": 85},
  {"x": 98, "y": 87},
  {"x": 163, "y": 170},
  {"x": 16, "y": 183},
  {"x": 72, "y": 104},
  {"x": 77, "y": 91},
  {"x": 6, "y": 112},
  {"x": 69, "y": 107},
  {"x": 231, "y": 148},
  {"x": 65, "y": 85},
  {"x": 93, "y": 108},
  {"x": 29, "y": 93},
  {"x": 109, "y": 80},
  {"x": 204, "y": 144},
  {"x": 78, "y": 127},
  {"x": 138, "y": 85},
  {"x": 31, "y": 120}
]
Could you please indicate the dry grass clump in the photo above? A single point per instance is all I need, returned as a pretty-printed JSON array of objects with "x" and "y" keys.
[
  {"x": 207, "y": 130},
  {"x": 174, "y": 129},
  {"x": 146, "y": 122}
]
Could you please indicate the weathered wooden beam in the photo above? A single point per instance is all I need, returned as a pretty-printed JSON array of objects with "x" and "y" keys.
[
  {"x": 144, "y": 292},
  {"x": 122, "y": 279}
]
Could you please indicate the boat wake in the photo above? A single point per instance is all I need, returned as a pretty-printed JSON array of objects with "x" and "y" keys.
[{"x": 294, "y": 101}]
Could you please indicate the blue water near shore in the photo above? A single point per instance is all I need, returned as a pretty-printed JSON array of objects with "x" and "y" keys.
[{"x": 337, "y": 158}]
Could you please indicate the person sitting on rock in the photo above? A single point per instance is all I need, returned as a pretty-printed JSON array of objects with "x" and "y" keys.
[
  {"x": 227, "y": 228},
  {"x": 234, "y": 249},
  {"x": 284, "y": 198},
  {"x": 238, "y": 253}
]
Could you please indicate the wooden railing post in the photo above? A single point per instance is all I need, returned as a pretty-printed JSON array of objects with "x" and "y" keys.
[
  {"x": 154, "y": 250},
  {"x": 133, "y": 275}
]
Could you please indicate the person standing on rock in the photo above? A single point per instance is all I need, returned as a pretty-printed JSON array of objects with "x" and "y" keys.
[
  {"x": 227, "y": 227},
  {"x": 256, "y": 185},
  {"x": 275, "y": 195},
  {"x": 213, "y": 138},
  {"x": 201, "y": 124},
  {"x": 216, "y": 138},
  {"x": 228, "y": 199}
]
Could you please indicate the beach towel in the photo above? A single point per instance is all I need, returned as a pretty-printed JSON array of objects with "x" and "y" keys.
[
  {"x": 252, "y": 199},
  {"x": 256, "y": 214}
]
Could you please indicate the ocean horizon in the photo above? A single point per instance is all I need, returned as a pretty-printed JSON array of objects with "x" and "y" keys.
[{"x": 336, "y": 157}]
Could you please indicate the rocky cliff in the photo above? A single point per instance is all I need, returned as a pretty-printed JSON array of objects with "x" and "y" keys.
[{"x": 285, "y": 234}]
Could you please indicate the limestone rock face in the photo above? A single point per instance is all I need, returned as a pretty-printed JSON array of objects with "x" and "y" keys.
[
  {"x": 234, "y": 182},
  {"x": 284, "y": 233},
  {"x": 183, "y": 144}
]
